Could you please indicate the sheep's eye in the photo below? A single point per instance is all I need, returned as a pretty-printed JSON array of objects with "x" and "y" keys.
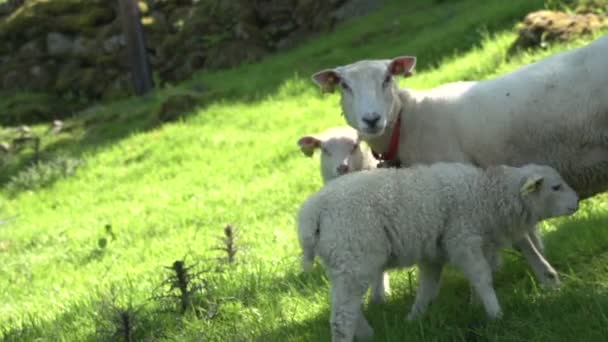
[
  {"x": 324, "y": 150},
  {"x": 355, "y": 147},
  {"x": 387, "y": 80},
  {"x": 556, "y": 187},
  {"x": 344, "y": 86}
]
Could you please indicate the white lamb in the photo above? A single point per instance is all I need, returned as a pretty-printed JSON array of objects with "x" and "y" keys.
[
  {"x": 552, "y": 112},
  {"x": 363, "y": 222},
  {"x": 342, "y": 153}
]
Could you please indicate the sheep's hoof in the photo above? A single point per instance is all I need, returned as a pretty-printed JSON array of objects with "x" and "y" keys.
[{"x": 551, "y": 280}]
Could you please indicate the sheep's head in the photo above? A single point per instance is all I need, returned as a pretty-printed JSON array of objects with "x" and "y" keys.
[
  {"x": 369, "y": 94},
  {"x": 341, "y": 152},
  {"x": 545, "y": 192}
]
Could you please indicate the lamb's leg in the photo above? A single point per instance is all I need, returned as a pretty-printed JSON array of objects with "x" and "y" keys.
[
  {"x": 380, "y": 288},
  {"x": 429, "y": 276},
  {"x": 545, "y": 273},
  {"x": 492, "y": 255},
  {"x": 476, "y": 268},
  {"x": 347, "y": 320}
]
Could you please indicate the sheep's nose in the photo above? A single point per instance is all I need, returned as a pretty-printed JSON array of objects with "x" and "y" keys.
[
  {"x": 371, "y": 120},
  {"x": 342, "y": 169}
]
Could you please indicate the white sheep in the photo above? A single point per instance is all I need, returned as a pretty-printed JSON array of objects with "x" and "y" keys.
[
  {"x": 552, "y": 112},
  {"x": 342, "y": 153},
  {"x": 364, "y": 222}
]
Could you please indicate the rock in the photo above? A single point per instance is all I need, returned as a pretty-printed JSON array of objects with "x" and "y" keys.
[
  {"x": 41, "y": 79},
  {"x": 5, "y": 9},
  {"x": 82, "y": 47},
  {"x": 58, "y": 44},
  {"x": 114, "y": 43},
  {"x": 177, "y": 106},
  {"x": 10, "y": 79},
  {"x": 232, "y": 53},
  {"x": 66, "y": 77},
  {"x": 542, "y": 27},
  {"x": 32, "y": 49}
]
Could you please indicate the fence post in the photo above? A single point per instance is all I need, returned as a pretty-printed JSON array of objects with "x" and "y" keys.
[{"x": 141, "y": 72}]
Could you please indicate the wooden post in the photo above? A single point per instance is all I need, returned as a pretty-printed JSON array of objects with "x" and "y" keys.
[{"x": 136, "y": 47}]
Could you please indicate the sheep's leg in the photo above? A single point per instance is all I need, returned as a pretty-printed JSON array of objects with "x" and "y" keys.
[
  {"x": 347, "y": 320},
  {"x": 534, "y": 236},
  {"x": 494, "y": 260},
  {"x": 429, "y": 276},
  {"x": 380, "y": 288},
  {"x": 476, "y": 268},
  {"x": 545, "y": 273}
]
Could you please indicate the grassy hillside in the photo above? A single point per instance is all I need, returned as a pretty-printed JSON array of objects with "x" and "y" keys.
[{"x": 85, "y": 238}]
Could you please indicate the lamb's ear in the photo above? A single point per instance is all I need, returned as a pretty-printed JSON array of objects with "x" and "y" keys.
[
  {"x": 308, "y": 145},
  {"x": 531, "y": 184},
  {"x": 402, "y": 66},
  {"x": 326, "y": 80}
]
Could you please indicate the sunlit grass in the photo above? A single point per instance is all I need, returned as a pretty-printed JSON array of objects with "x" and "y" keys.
[{"x": 168, "y": 191}]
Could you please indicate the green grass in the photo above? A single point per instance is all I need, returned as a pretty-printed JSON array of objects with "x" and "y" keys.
[{"x": 167, "y": 191}]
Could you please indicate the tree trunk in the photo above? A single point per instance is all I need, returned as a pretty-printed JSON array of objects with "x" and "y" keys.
[{"x": 136, "y": 48}]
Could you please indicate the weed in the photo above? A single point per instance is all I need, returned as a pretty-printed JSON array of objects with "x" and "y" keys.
[
  {"x": 192, "y": 291},
  {"x": 229, "y": 243}
]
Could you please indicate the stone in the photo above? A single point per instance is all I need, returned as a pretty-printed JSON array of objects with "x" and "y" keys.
[
  {"x": 58, "y": 44},
  {"x": 114, "y": 43},
  {"x": 542, "y": 27},
  {"x": 176, "y": 107},
  {"x": 41, "y": 79},
  {"x": 82, "y": 47},
  {"x": 34, "y": 48}
]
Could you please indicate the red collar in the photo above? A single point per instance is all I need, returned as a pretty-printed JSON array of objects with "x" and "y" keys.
[{"x": 393, "y": 148}]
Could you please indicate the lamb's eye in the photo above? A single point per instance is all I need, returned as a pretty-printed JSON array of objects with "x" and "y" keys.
[
  {"x": 344, "y": 86},
  {"x": 556, "y": 187},
  {"x": 387, "y": 80},
  {"x": 355, "y": 147},
  {"x": 325, "y": 151}
]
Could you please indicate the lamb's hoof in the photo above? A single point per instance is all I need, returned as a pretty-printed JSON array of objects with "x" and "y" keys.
[
  {"x": 495, "y": 315},
  {"x": 412, "y": 316}
]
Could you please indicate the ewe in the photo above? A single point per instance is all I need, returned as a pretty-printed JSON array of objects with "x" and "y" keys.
[
  {"x": 361, "y": 223},
  {"x": 552, "y": 112}
]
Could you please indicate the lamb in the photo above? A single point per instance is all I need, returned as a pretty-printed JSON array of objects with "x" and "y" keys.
[
  {"x": 552, "y": 112},
  {"x": 364, "y": 222},
  {"x": 342, "y": 153}
]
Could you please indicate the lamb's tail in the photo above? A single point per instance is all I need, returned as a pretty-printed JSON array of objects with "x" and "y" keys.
[{"x": 308, "y": 232}]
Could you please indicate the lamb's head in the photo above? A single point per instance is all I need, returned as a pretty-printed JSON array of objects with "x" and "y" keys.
[
  {"x": 545, "y": 192},
  {"x": 369, "y": 94},
  {"x": 341, "y": 152}
]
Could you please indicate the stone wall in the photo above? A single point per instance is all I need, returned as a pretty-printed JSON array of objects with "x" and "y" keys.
[{"x": 75, "y": 48}]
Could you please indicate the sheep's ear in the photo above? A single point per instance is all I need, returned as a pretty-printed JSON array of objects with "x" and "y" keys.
[
  {"x": 531, "y": 184},
  {"x": 308, "y": 145},
  {"x": 326, "y": 80},
  {"x": 402, "y": 66}
]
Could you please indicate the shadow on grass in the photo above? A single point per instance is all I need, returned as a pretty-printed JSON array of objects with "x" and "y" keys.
[
  {"x": 578, "y": 247},
  {"x": 430, "y": 30},
  {"x": 105, "y": 323}
]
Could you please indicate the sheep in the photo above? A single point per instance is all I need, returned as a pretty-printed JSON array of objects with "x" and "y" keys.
[
  {"x": 342, "y": 153},
  {"x": 552, "y": 112},
  {"x": 364, "y": 222}
]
